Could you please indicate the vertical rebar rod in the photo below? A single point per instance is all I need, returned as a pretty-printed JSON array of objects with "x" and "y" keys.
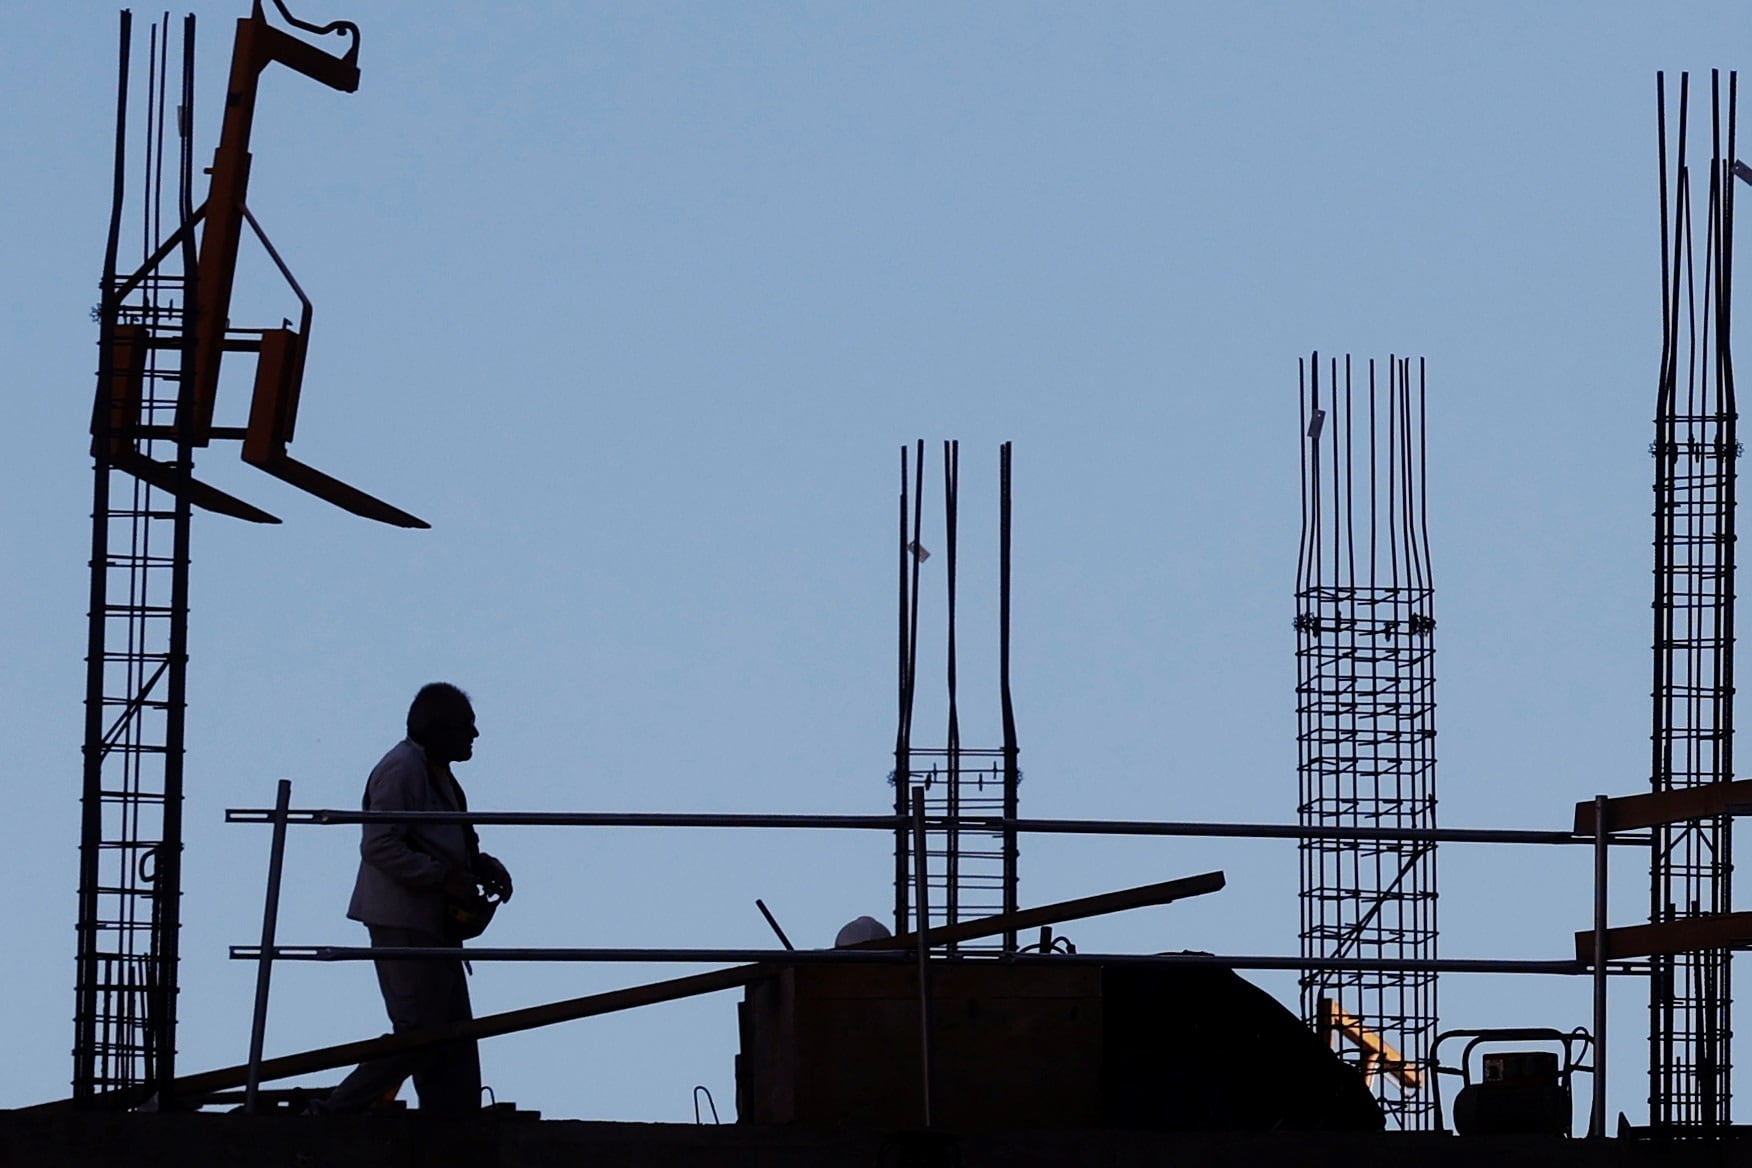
[
  {"x": 167, "y": 882},
  {"x": 924, "y": 953},
  {"x": 911, "y": 557},
  {"x": 86, "y": 1054},
  {"x": 917, "y": 551},
  {"x": 186, "y": 214},
  {"x": 1597, "y": 1117},
  {"x": 1012, "y": 750},
  {"x": 258, "y": 1028},
  {"x": 952, "y": 793},
  {"x": 902, "y": 754}
]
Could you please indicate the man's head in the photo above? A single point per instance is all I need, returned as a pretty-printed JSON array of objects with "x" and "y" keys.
[{"x": 443, "y": 722}]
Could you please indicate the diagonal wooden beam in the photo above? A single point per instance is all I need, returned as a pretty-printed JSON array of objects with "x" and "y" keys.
[
  {"x": 1143, "y": 896},
  {"x": 1378, "y": 1055},
  {"x": 1654, "y": 808},
  {"x": 1685, "y": 935}
]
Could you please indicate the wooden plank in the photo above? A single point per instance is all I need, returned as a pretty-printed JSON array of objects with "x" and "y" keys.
[
  {"x": 1688, "y": 935},
  {"x": 1654, "y": 808},
  {"x": 1083, "y": 908},
  {"x": 1379, "y": 1056}
]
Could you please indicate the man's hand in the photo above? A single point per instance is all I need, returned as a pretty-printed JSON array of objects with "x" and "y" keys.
[
  {"x": 459, "y": 883},
  {"x": 494, "y": 876}
]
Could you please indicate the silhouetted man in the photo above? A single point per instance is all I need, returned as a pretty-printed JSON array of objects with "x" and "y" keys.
[{"x": 406, "y": 872}]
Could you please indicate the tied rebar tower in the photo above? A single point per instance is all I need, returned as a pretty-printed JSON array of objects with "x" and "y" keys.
[
  {"x": 970, "y": 868},
  {"x": 131, "y": 832},
  {"x": 1365, "y": 695},
  {"x": 1695, "y": 449}
]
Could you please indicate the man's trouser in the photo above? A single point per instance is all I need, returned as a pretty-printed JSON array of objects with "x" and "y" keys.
[{"x": 419, "y": 992}]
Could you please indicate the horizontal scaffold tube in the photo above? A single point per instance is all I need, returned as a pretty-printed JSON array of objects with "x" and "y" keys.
[{"x": 1116, "y": 827}]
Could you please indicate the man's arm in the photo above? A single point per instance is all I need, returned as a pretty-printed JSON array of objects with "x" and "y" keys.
[{"x": 397, "y": 785}]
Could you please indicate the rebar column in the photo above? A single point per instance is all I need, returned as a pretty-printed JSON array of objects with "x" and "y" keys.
[
  {"x": 1695, "y": 450},
  {"x": 971, "y": 865},
  {"x": 1366, "y": 730},
  {"x": 131, "y": 816}
]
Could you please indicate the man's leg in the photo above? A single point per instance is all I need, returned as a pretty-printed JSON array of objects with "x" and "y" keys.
[
  {"x": 450, "y": 1080},
  {"x": 417, "y": 993}
]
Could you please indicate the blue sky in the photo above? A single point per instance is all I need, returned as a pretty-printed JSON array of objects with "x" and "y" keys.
[{"x": 636, "y": 304}]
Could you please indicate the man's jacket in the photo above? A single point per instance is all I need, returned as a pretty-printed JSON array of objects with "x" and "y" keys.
[{"x": 402, "y": 866}]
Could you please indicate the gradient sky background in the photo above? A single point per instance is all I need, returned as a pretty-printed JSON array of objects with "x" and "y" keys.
[{"x": 637, "y": 302}]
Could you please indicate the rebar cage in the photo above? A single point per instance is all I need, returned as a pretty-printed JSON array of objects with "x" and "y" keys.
[
  {"x": 131, "y": 817},
  {"x": 1365, "y": 705},
  {"x": 969, "y": 866},
  {"x": 1695, "y": 449}
]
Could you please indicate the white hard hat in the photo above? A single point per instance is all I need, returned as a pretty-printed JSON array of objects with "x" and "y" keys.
[{"x": 861, "y": 930}]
